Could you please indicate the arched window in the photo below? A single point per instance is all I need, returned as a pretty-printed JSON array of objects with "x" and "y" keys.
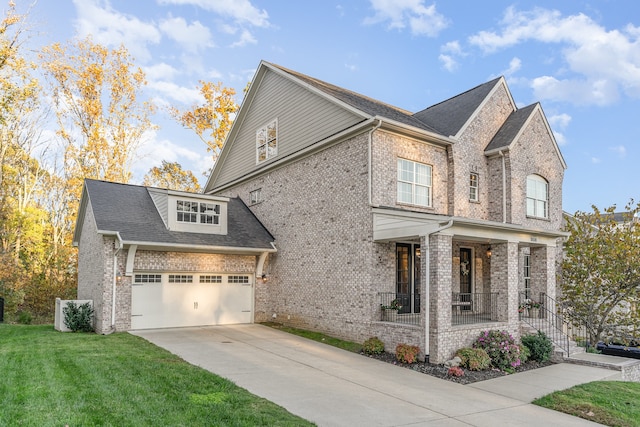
[{"x": 537, "y": 197}]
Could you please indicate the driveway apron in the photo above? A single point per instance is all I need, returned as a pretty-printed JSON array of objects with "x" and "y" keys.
[{"x": 333, "y": 387}]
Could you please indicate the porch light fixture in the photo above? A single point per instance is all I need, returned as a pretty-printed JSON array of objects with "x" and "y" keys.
[
  {"x": 264, "y": 278},
  {"x": 489, "y": 252}
]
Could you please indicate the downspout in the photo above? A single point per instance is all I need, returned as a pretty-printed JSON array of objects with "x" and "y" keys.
[
  {"x": 371, "y": 159},
  {"x": 114, "y": 282},
  {"x": 427, "y": 281},
  {"x": 504, "y": 188}
]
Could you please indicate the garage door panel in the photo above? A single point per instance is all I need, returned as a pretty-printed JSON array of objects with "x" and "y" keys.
[{"x": 163, "y": 305}]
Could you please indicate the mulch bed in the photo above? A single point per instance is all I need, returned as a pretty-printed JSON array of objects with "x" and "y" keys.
[{"x": 440, "y": 371}]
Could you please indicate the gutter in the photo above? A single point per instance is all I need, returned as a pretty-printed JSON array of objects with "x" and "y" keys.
[{"x": 114, "y": 281}]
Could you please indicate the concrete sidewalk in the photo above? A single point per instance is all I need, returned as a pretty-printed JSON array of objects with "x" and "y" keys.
[{"x": 333, "y": 387}]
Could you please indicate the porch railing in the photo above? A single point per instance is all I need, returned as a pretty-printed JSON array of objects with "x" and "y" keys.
[
  {"x": 397, "y": 308},
  {"x": 470, "y": 308}
]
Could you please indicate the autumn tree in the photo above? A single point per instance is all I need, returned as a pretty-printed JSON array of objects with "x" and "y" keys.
[
  {"x": 100, "y": 115},
  {"x": 171, "y": 175},
  {"x": 211, "y": 120},
  {"x": 601, "y": 272}
]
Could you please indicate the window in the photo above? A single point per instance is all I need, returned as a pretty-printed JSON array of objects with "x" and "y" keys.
[
  {"x": 537, "y": 196},
  {"x": 267, "y": 142},
  {"x": 147, "y": 278},
  {"x": 527, "y": 276},
  {"x": 180, "y": 278},
  {"x": 238, "y": 279},
  {"x": 414, "y": 183},
  {"x": 196, "y": 212},
  {"x": 473, "y": 187},
  {"x": 255, "y": 196},
  {"x": 210, "y": 279}
]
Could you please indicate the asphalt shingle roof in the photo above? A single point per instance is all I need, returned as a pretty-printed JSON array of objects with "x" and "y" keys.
[
  {"x": 447, "y": 117},
  {"x": 508, "y": 131},
  {"x": 129, "y": 210},
  {"x": 360, "y": 102}
]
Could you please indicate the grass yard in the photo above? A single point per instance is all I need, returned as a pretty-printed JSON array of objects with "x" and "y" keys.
[
  {"x": 612, "y": 403},
  {"x": 48, "y": 378}
]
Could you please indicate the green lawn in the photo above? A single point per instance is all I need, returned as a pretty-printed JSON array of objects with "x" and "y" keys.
[
  {"x": 48, "y": 378},
  {"x": 612, "y": 403}
]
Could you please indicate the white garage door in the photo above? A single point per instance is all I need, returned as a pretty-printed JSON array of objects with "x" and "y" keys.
[{"x": 184, "y": 299}]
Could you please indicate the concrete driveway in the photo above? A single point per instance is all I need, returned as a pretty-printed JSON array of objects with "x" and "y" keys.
[{"x": 333, "y": 387}]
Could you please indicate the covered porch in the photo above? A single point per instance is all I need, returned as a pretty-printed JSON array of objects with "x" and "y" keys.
[{"x": 456, "y": 277}]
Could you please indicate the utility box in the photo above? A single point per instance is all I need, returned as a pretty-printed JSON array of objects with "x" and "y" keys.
[{"x": 59, "y": 318}]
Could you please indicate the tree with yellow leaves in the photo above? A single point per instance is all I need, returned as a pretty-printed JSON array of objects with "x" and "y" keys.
[
  {"x": 212, "y": 120},
  {"x": 171, "y": 175},
  {"x": 100, "y": 117}
]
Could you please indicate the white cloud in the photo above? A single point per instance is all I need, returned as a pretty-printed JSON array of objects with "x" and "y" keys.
[
  {"x": 514, "y": 65},
  {"x": 620, "y": 150},
  {"x": 448, "y": 62},
  {"x": 603, "y": 62},
  {"x": 595, "y": 160},
  {"x": 241, "y": 11},
  {"x": 560, "y": 138},
  {"x": 161, "y": 71},
  {"x": 245, "y": 38},
  {"x": 184, "y": 95},
  {"x": 560, "y": 121},
  {"x": 422, "y": 20},
  {"x": 112, "y": 28},
  {"x": 153, "y": 151},
  {"x": 193, "y": 37},
  {"x": 450, "y": 52}
]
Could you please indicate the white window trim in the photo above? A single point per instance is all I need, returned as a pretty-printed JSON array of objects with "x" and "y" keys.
[
  {"x": 255, "y": 196},
  {"x": 197, "y": 227},
  {"x": 268, "y": 154},
  {"x": 534, "y": 198},
  {"x": 476, "y": 187},
  {"x": 413, "y": 184}
]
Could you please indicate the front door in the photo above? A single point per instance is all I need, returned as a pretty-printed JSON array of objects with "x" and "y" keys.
[
  {"x": 466, "y": 277},
  {"x": 408, "y": 277}
]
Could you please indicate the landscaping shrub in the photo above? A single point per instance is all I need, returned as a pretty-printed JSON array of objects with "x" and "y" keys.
[
  {"x": 25, "y": 318},
  {"x": 474, "y": 359},
  {"x": 455, "y": 371},
  {"x": 406, "y": 353},
  {"x": 525, "y": 354},
  {"x": 539, "y": 345},
  {"x": 501, "y": 348},
  {"x": 78, "y": 318},
  {"x": 373, "y": 346}
]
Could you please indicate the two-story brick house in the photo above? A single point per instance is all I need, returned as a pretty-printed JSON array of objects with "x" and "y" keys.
[{"x": 450, "y": 210}]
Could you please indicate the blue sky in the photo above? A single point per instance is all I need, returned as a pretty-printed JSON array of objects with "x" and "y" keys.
[{"x": 580, "y": 59}]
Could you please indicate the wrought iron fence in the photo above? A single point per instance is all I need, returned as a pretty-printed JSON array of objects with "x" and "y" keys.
[
  {"x": 397, "y": 308},
  {"x": 470, "y": 308}
]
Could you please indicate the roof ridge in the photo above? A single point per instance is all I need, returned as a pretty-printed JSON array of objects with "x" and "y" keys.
[{"x": 331, "y": 85}]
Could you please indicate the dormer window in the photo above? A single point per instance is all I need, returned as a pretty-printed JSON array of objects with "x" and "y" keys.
[
  {"x": 267, "y": 141},
  {"x": 197, "y": 212}
]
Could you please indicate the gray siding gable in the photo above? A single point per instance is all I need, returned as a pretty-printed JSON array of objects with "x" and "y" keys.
[
  {"x": 130, "y": 211},
  {"x": 304, "y": 119}
]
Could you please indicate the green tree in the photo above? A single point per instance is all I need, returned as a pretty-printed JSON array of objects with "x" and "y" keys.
[
  {"x": 171, "y": 175},
  {"x": 601, "y": 270}
]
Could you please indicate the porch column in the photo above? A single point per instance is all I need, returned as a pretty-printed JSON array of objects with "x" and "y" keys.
[
  {"x": 543, "y": 271},
  {"x": 440, "y": 265},
  {"x": 504, "y": 279}
]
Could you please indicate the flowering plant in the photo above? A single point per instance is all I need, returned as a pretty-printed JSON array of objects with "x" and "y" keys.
[
  {"x": 528, "y": 303},
  {"x": 501, "y": 348},
  {"x": 455, "y": 371}
]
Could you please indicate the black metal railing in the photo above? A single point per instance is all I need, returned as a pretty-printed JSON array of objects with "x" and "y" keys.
[
  {"x": 470, "y": 308},
  {"x": 397, "y": 308},
  {"x": 566, "y": 329}
]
